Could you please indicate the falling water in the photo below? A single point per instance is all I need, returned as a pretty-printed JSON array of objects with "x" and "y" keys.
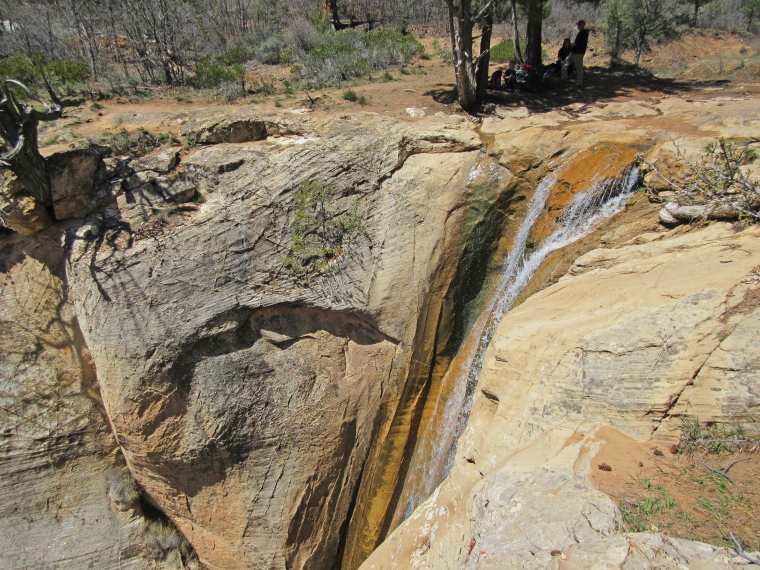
[{"x": 602, "y": 200}]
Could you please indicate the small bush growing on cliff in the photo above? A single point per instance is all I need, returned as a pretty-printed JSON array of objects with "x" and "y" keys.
[
  {"x": 164, "y": 542},
  {"x": 122, "y": 487},
  {"x": 318, "y": 232},
  {"x": 720, "y": 179}
]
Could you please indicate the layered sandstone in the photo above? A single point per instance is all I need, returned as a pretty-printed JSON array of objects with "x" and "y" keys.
[{"x": 636, "y": 337}]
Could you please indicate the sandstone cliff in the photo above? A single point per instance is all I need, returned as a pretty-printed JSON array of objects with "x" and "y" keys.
[{"x": 270, "y": 413}]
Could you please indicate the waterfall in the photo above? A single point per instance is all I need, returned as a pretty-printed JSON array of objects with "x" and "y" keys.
[{"x": 604, "y": 198}]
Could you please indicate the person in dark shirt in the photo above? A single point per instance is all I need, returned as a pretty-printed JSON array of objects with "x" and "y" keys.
[
  {"x": 578, "y": 49},
  {"x": 556, "y": 67}
]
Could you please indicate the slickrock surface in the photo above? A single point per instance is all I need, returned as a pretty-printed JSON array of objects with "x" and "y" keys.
[
  {"x": 244, "y": 399},
  {"x": 634, "y": 337},
  {"x": 267, "y": 414}
]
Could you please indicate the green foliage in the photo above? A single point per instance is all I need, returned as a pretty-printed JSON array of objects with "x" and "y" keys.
[
  {"x": 319, "y": 232},
  {"x": 67, "y": 71},
  {"x": 504, "y": 52},
  {"x": 211, "y": 73},
  {"x": 750, "y": 9},
  {"x": 18, "y": 66},
  {"x": 235, "y": 54},
  {"x": 348, "y": 54},
  {"x": 636, "y": 23},
  {"x": 711, "y": 437},
  {"x": 350, "y": 95}
]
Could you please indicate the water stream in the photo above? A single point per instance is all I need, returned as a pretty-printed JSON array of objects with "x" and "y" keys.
[{"x": 434, "y": 455}]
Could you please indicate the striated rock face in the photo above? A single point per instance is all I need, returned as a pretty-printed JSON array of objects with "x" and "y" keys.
[
  {"x": 246, "y": 398},
  {"x": 636, "y": 337},
  {"x": 56, "y": 448}
]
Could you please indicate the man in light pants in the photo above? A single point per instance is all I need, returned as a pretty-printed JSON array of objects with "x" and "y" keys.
[{"x": 576, "y": 55}]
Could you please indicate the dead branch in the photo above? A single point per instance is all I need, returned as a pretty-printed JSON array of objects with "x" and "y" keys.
[
  {"x": 730, "y": 465},
  {"x": 740, "y": 550},
  {"x": 719, "y": 472}
]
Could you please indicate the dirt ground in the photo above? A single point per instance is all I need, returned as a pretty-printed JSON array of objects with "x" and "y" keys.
[
  {"x": 698, "y": 66},
  {"x": 681, "y": 492}
]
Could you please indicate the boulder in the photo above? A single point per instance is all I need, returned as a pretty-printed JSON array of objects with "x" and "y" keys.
[
  {"x": 163, "y": 162},
  {"x": 675, "y": 212},
  {"x": 246, "y": 398},
  {"x": 240, "y": 129},
  {"x": 18, "y": 211},
  {"x": 72, "y": 176},
  {"x": 24, "y": 215}
]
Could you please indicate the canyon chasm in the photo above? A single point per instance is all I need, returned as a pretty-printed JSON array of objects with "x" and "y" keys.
[{"x": 310, "y": 420}]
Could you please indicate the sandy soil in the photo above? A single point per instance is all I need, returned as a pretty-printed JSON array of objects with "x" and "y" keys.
[{"x": 680, "y": 493}]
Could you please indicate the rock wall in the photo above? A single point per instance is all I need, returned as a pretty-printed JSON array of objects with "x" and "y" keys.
[
  {"x": 245, "y": 398},
  {"x": 56, "y": 448}
]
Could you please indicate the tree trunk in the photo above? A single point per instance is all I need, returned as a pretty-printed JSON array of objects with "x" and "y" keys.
[
  {"x": 49, "y": 88},
  {"x": 484, "y": 59},
  {"x": 516, "y": 34},
  {"x": 641, "y": 42},
  {"x": 331, "y": 7},
  {"x": 533, "y": 36},
  {"x": 461, "y": 45},
  {"x": 18, "y": 127}
]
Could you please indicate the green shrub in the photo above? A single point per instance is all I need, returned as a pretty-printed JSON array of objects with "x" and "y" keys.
[
  {"x": 235, "y": 54},
  {"x": 122, "y": 487},
  {"x": 318, "y": 232},
  {"x": 348, "y": 54},
  {"x": 386, "y": 77},
  {"x": 504, "y": 52},
  {"x": 211, "y": 73},
  {"x": 270, "y": 51},
  {"x": 164, "y": 540},
  {"x": 68, "y": 71},
  {"x": 18, "y": 66},
  {"x": 350, "y": 95}
]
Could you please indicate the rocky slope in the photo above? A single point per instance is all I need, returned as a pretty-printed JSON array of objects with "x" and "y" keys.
[
  {"x": 640, "y": 333},
  {"x": 267, "y": 411}
]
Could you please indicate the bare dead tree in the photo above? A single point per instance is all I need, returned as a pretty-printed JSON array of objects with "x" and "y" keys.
[{"x": 18, "y": 128}]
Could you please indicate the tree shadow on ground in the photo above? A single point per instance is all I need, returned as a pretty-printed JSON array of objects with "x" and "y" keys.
[{"x": 600, "y": 84}]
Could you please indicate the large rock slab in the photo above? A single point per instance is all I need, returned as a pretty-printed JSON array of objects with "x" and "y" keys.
[
  {"x": 245, "y": 399},
  {"x": 536, "y": 510},
  {"x": 72, "y": 176}
]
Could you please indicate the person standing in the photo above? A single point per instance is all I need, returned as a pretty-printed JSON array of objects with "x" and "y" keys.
[{"x": 577, "y": 52}]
